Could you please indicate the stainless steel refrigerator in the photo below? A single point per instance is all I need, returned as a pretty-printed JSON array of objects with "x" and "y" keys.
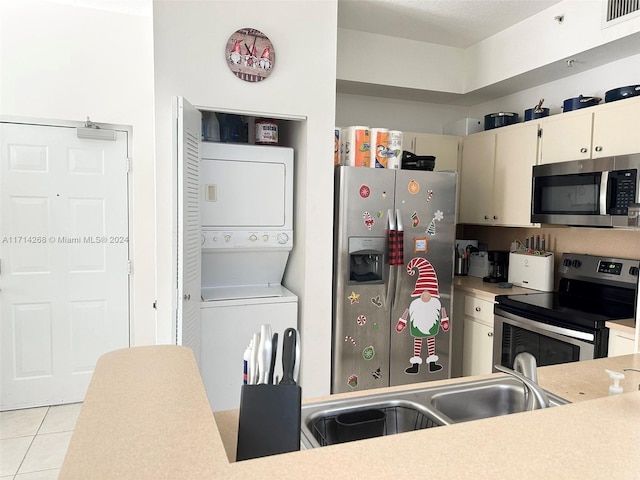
[{"x": 393, "y": 269}]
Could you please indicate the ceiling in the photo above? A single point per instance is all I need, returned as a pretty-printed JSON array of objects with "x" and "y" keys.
[{"x": 457, "y": 23}]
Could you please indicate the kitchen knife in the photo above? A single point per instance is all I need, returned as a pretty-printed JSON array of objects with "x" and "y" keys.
[
  {"x": 296, "y": 365},
  {"x": 288, "y": 356},
  {"x": 264, "y": 353},
  {"x": 253, "y": 366},
  {"x": 274, "y": 354}
]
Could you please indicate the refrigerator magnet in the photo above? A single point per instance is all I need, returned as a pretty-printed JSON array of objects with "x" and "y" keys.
[
  {"x": 377, "y": 373},
  {"x": 354, "y": 298},
  {"x": 352, "y": 381},
  {"x": 368, "y": 220},
  {"x": 420, "y": 245},
  {"x": 364, "y": 191},
  {"x": 413, "y": 187},
  {"x": 415, "y": 220},
  {"x": 377, "y": 301},
  {"x": 368, "y": 353}
]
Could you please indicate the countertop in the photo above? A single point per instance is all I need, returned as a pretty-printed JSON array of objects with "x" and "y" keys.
[
  {"x": 146, "y": 415},
  {"x": 486, "y": 290}
]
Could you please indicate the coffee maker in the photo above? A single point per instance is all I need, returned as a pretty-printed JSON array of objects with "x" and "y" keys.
[{"x": 498, "y": 266}]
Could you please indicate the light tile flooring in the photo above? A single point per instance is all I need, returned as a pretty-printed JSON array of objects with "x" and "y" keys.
[{"x": 34, "y": 441}]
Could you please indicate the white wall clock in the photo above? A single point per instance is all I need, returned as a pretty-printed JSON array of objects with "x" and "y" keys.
[{"x": 250, "y": 55}]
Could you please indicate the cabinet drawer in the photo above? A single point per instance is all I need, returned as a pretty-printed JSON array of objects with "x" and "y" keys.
[{"x": 479, "y": 309}]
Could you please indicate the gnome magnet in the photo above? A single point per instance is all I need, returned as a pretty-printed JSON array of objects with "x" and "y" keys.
[{"x": 425, "y": 315}]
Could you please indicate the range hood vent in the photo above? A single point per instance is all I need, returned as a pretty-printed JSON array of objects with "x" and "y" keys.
[{"x": 616, "y": 9}]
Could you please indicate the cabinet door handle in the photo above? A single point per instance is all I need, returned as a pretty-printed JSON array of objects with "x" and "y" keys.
[
  {"x": 495, "y": 217},
  {"x": 490, "y": 334},
  {"x": 486, "y": 217},
  {"x": 583, "y": 150},
  {"x": 598, "y": 149},
  {"x": 478, "y": 309}
]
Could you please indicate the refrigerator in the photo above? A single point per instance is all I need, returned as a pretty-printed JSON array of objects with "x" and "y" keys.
[{"x": 394, "y": 250}]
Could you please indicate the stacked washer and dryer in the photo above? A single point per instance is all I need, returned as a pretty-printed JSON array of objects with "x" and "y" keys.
[{"x": 247, "y": 236}]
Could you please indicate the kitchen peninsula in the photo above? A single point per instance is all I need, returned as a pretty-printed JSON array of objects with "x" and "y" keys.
[{"x": 146, "y": 415}]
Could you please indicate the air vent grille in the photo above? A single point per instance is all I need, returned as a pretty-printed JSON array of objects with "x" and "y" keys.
[{"x": 620, "y": 8}]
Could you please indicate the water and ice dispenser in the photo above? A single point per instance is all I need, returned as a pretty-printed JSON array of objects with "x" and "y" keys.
[{"x": 367, "y": 259}]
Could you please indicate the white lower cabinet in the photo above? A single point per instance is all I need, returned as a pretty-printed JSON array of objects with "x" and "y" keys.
[
  {"x": 477, "y": 358},
  {"x": 620, "y": 343}
]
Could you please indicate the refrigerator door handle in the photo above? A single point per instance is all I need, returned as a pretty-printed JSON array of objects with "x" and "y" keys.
[
  {"x": 392, "y": 255},
  {"x": 399, "y": 258}
]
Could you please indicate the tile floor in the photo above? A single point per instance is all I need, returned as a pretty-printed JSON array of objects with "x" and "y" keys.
[{"x": 34, "y": 441}]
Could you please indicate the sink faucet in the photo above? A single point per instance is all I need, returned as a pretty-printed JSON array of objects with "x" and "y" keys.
[
  {"x": 525, "y": 363},
  {"x": 536, "y": 397}
]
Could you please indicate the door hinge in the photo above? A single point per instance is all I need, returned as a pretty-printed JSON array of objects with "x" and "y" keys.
[
  {"x": 155, "y": 304},
  {"x": 539, "y": 133},
  {"x": 129, "y": 267},
  {"x": 129, "y": 164}
]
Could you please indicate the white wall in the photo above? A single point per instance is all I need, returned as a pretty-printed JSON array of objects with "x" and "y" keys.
[
  {"x": 594, "y": 82},
  {"x": 540, "y": 40},
  {"x": 67, "y": 62},
  {"x": 189, "y": 41},
  {"x": 384, "y": 60},
  {"x": 395, "y": 114}
]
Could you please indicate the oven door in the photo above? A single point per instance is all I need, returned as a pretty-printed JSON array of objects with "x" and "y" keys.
[{"x": 549, "y": 344}]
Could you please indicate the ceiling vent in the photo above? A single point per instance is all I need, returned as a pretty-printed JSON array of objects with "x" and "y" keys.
[{"x": 621, "y": 10}]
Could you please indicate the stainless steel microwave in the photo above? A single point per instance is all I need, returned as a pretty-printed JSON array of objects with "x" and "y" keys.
[{"x": 594, "y": 192}]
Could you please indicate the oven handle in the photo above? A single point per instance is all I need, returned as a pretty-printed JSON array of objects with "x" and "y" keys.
[{"x": 543, "y": 327}]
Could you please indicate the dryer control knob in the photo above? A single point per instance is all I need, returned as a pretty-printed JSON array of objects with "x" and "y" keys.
[
  {"x": 283, "y": 238},
  {"x": 253, "y": 238},
  {"x": 227, "y": 238},
  {"x": 265, "y": 238}
]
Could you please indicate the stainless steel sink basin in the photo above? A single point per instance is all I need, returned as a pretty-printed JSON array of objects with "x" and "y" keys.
[
  {"x": 398, "y": 412},
  {"x": 485, "y": 399},
  {"x": 342, "y": 421}
]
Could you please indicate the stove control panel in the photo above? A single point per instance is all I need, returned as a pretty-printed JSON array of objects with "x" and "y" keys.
[
  {"x": 613, "y": 268},
  {"x": 606, "y": 270}
]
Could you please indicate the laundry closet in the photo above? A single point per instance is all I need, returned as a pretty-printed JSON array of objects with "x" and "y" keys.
[{"x": 235, "y": 235}]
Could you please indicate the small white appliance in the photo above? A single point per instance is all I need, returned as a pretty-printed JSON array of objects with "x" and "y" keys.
[{"x": 531, "y": 271}]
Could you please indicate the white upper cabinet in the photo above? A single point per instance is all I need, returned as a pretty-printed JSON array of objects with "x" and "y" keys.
[
  {"x": 443, "y": 147},
  {"x": 615, "y": 129},
  {"x": 495, "y": 183},
  {"x": 601, "y": 131}
]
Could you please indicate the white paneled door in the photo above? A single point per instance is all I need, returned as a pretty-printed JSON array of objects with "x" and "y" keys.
[{"x": 64, "y": 260}]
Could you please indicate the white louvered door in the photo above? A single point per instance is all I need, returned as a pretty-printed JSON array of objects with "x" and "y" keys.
[{"x": 188, "y": 227}]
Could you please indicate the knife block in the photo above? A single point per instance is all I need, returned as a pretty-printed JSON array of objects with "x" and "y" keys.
[{"x": 269, "y": 420}]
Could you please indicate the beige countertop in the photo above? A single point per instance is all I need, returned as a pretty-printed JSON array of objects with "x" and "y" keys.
[
  {"x": 486, "y": 290},
  {"x": 146, "y": 415},
  {"x": 627, "y": 325}
]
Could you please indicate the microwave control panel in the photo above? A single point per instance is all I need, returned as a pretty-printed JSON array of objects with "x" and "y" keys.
[{"x": 624, "y": 185}]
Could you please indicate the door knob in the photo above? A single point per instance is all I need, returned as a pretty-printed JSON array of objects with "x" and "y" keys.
[
  {"x": 583, "y": 150},
  {"x": 478, "y": 309},
  {"x": 598, "y": 149},
  {"x": 490, "y": 334},
  {"x": 187, "y": 296}
]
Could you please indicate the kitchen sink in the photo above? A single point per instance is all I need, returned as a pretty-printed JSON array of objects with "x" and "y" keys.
[
  {"x": 343, "y": 420},
  {"x": 490, "y": 398}
]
